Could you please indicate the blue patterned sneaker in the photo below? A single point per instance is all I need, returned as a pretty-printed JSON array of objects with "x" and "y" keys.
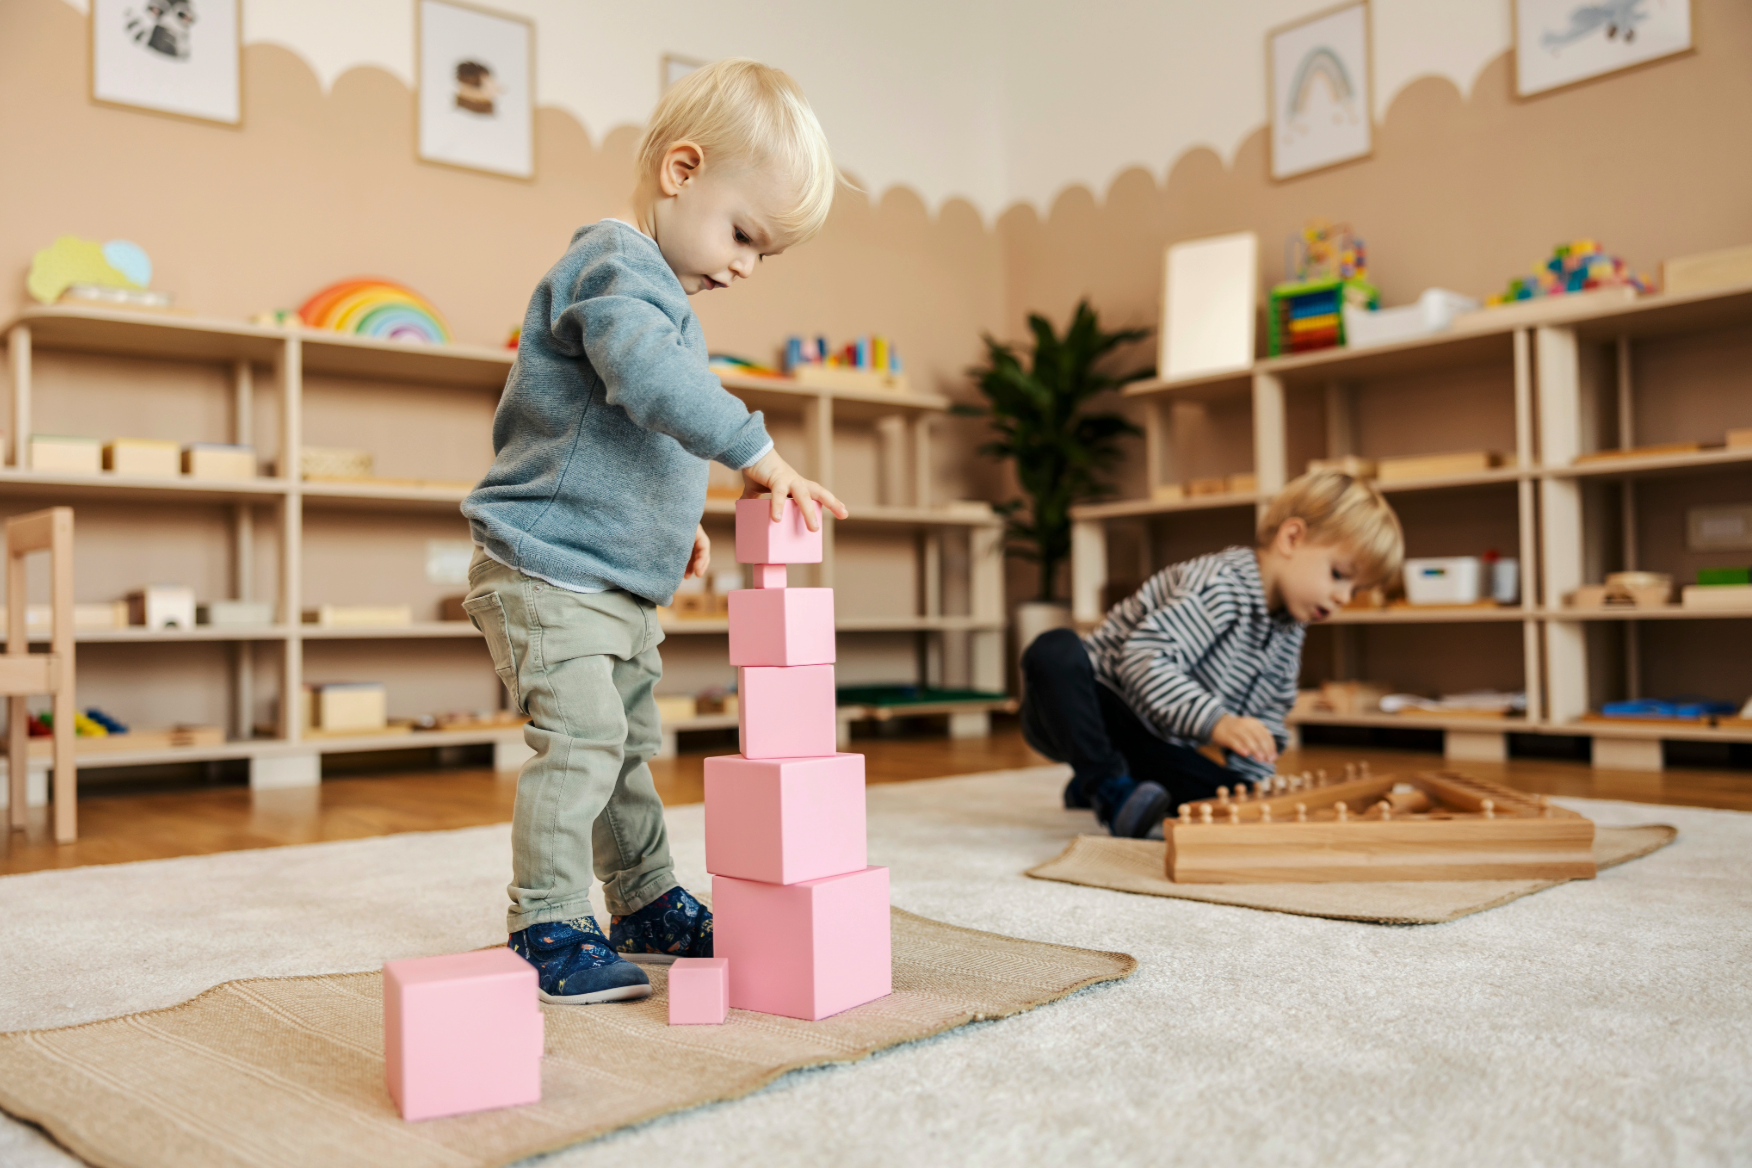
[
  {"x": 674, "y": 925},
  {"x": 574, "y": 965}
]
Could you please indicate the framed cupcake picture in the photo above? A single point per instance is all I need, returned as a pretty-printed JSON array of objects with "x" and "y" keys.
[{"x": 476, "y": 96}]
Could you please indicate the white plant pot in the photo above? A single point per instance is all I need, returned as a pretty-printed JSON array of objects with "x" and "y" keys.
[{"x": 1037, "y": 617}]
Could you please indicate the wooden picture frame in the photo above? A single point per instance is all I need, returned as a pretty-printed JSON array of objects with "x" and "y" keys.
[
  {"x": 474, "y": 89},
  {"x": 1579, "y": 42},
  {"x": 1320, "y": 91},
  {"x": 175, "y": 58}
]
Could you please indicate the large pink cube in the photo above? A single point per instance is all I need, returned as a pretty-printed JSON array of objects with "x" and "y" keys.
[
  {"x": 761, "y": 541},
  {"x": 781, "y": 626},
  {"x": 804, "y": 950},
  {"x": 786, "y": 711},
  {"x": 785, "y": 820},
  {"x": 461, "y": 1033},
  {"x": 699, "y": 991}
]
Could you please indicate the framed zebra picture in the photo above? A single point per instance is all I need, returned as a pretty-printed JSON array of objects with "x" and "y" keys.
[
  {"x": 177, "y": 57},
  {"x": 1321, "y": 93}
]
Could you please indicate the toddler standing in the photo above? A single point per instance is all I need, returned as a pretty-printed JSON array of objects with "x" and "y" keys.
[{"x": 589, "y": 517}]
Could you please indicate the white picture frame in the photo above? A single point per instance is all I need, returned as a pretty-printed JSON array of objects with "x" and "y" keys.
[
  {"x": 1559, "y": 43},
  {"x": 182, "y": 58},
  {"x": 1321, "y": 91},
  {"x": 1210, "y": 299},
  {"x": 475, "y": 88}
]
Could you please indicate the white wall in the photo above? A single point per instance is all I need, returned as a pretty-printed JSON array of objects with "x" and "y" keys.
[{"x": 992, "y": 102}]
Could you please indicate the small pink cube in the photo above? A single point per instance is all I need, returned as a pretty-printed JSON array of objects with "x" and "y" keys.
[
  {"x": 786, "y": 712},
  {"x": 461, "y": 1033},
  {"x": 781, "y": 626},
  {"x": 785, "y": 820},
  {"x": 699, "y": 991},
  {"x": 769, "y": 575},
  {"x": 761, "y": 541},
  {"x": 804, "y": 950}
]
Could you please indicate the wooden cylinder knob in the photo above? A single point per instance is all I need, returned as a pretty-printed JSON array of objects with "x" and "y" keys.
[
  {"x": 1265, "y": 813},
  {"x": 1301, "y": 813},
  {"x": 1186, "y": 813},
  {"x": 1489, "y": 809},
  {"x": 1341, "y": 811},
  {"x": 1234, "y": 813},
  {"x": 1386, "y": 810},
  {"x": 1204, "y": 812},
  {"x": 1222, "y": 794}
]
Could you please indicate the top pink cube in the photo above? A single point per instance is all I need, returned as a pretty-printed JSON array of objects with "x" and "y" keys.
[{"x": 761, "y": 541}]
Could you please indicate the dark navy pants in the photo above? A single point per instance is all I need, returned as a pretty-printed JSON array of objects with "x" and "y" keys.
[{"x": 1070, "y": 717}]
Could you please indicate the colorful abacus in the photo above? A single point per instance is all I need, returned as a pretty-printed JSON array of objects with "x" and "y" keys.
[{"x": 798, "y": 913}]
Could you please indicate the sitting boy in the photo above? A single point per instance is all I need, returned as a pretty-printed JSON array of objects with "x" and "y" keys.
[
  {"x": 589, "y": 517},
  {"x": 1208, "y": 651}
]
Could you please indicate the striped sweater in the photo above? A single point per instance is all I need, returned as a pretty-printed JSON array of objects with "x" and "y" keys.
[{"x": 1197, "y": 642}]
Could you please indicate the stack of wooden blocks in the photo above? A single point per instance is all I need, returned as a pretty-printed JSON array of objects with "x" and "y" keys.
[{"x": 801, "y": 923}]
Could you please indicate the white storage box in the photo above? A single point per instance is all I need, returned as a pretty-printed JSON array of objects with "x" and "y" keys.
[
  {"x": 1443, "y": 580},
  {"x": 162, "y": 606},
  {"x": 1434, "y": 312}
]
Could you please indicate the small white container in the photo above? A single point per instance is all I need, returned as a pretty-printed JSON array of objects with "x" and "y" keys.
[
  {"x": 162, "y": 606},
  {"x": 1434, "y": 312},
  {"x": 1443, "y": 580},
  {"x": 1505, "y": 581}
]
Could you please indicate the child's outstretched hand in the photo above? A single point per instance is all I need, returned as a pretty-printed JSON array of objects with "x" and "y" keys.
[
  {"x": 702, "y": 555},
  {"x": 774, "y": 474},
  {"x": 1247, "y": 737}
]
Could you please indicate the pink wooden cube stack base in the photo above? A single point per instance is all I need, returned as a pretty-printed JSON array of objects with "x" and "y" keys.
[
  {"x": 799, "y": 917},
  {"x": 461, "y": 1033},
  {"x": 699, "y": 991}
]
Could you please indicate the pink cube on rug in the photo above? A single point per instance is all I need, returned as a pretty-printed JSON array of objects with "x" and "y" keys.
[
  {"x": 804, "y": 950},
  {"x": 786, "y": 712},
  {"x": 785, "y": 820},
  {"x": 781, "y": 626},
  {"x": 699, "y": 991},
  {"x": 461, "y": 1033},
  {"x": 761, "y": 541}
]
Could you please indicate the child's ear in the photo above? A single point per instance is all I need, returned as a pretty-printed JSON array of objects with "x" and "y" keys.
[
  {"x": 681, "y": 162},
  {"x": 1290, "y": 535}
]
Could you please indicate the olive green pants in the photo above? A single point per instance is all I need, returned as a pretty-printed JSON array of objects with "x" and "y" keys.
[{"x": 583, "y": 667}]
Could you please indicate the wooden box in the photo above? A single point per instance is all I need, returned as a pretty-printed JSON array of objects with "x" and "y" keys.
[
  {"x": 1424, "y": 826},
  {"x": 1436, "y": 466},
  {"x": 211, "y": 460},
  {"x": 60, "y": 454},
  {"x": 142, "y": 458}
]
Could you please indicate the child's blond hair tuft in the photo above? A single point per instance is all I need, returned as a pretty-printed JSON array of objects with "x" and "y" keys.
[
  {"x": 748, "y": 112},
  {"x": 1341, "y": 510}
]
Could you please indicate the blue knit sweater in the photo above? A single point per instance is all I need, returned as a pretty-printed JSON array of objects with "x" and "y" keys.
[{"x": 607, "y": 422}]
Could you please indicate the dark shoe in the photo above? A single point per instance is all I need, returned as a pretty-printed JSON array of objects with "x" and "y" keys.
[
  {"x": 1141, "y": 811},
  {"x": 1075, "y": 799},
  {"x": 674, "y": 925},
  {"x": 1109, "y": 795},
  {"x": 574, "y": 965}
]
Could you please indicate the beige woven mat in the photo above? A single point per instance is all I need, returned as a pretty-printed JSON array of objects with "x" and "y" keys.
[
  {"x": 1128, "y": 865},
  {"x": 289, "y": 1071}
]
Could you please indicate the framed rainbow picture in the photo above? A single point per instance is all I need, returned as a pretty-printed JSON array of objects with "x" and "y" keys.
[{"x": 1320, "y": 93}]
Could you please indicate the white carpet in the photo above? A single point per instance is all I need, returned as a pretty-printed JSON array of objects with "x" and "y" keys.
[{"x": 1604, "y": 1022}]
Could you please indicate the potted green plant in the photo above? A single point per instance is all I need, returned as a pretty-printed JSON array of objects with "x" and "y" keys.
[{"x": 1038, "y": 407}]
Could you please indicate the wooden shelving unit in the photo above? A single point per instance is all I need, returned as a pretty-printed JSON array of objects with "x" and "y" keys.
[
  {"x": 271, "y": 381},
  {"x": 1558, "y": 390}
]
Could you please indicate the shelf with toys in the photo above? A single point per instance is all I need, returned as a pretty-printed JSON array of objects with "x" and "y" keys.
[{"x": 1596, "y": 418}]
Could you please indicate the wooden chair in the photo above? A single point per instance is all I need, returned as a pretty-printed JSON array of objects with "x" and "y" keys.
[{"x": 23, "y": 673}]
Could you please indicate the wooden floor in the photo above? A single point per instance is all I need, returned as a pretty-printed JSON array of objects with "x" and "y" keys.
[{"x": 116, "y": 827}]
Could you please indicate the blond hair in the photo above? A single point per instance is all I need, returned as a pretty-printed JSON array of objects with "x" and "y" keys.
[
  {"x": 1341, "y": 510},
  {"x": 745, "y": 111}
]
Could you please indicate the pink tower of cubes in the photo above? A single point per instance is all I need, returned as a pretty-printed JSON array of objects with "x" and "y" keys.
[{"x": 798, "y": 912}]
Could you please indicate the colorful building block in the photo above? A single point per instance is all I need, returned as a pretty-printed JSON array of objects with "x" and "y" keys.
[
  {"x": 761, "y": 541},
  {"x": 775, "y": 575},
  {"x": 461, "y": 1033},
  {"x": 804, "y": 950},
  {"x": 786, "y": 712},
  {"x": 785, "y": 820},
  {"x": 781, "y": 626},
  {"x": 699, "y": 991}
]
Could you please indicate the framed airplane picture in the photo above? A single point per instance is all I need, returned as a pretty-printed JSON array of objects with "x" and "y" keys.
[{"x": 1562, "y": 42}]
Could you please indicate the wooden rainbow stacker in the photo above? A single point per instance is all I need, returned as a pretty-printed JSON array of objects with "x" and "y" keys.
[{"x": 1424, "y": 826}]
